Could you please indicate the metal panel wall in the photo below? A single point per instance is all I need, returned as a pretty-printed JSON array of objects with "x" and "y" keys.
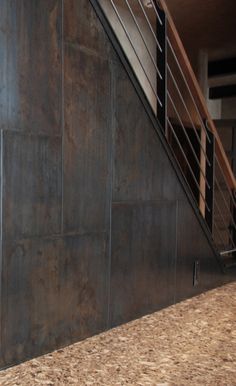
[
  {"x": 96, "y": 227},
  {"x": 55, "y": 175}
]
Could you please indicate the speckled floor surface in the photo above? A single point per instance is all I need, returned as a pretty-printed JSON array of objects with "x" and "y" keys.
[{"x": 191, "y": 343}]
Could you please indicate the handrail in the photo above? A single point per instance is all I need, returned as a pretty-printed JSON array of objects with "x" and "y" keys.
[
  {"x": 197, "y": 93},
  {"x": 227, "y": 252},
  {"x": 211, "y": 167}
]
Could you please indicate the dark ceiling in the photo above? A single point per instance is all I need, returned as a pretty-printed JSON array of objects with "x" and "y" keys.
[{"x": 206, "y": 24}]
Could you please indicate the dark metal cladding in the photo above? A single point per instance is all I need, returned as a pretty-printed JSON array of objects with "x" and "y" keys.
[
  {"x": 92, "y": 203},
  {"x": 30, "y": 71},
  {"x": 87, "y": 142},
  {"x": 55, "y": 293},
  {"x": 192, "y": 246},
  {"x": 32, "y": 188},
  {"x": 143, "y": 258},
  {"x": 141, "y": 167},
  {"x": 81, "y": 27}
]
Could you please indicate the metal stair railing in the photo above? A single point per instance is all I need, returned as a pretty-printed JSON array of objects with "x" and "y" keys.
[{"x": 148, "y": 35}]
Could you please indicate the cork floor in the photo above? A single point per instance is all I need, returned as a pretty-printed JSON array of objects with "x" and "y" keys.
[{"x": 191, "y": 343}]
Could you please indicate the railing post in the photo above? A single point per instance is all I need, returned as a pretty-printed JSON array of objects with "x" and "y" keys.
[
  {"x": 210, "y": 176},
  {"x": 161, "y": 31}
]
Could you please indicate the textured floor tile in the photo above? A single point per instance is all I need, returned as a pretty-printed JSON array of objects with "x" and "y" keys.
[{"x": 191, "y": 343}]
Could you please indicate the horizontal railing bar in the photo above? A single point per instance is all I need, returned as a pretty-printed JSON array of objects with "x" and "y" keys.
[
  {"x": 223, "y": 221},
  {"x": 189, "y": 166},
  {"x": 226, "y": 205},
  {"x": 150, "y": 26},
  {"x": 229, "y": 175},
  {"x": 185, "y": 106},
  {"x": 227, "y": 252},
  {"x": 221, "y": 227},
  {"x": 219, "y": 235},
  {"x": 132, "y": 45},
  {"x": 189, "y": 90},
  {"x": 189, "y": 142},
  {"x": 227, "y": 222},
  {"x": 157, "y": 13},
  {"x": 194, "y": 85},
  {"x": 228, "y": 188},
  {"x": 143, "y": 39}
]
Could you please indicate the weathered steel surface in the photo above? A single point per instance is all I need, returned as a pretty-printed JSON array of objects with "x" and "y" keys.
[
  {"x": 142, "y": 170},
  {"x": 31, "y": 185},
  {"x": 30, "y": 71},
  {"x": 143, "y": 258},
  {"x": 87, "y": 142},
  {"x": 54, "y": 291},
  {"x": 56, "y": 181},
  {"x": 192, "y": 246},
  {"x": 81, "y": 27}
]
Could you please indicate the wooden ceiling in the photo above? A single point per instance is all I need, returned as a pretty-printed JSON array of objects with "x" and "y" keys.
[
  {"x": 206, "y": 24},
  {"x": 202, "y": 24}
]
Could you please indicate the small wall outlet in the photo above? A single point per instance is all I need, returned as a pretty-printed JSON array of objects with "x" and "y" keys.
[{"x": 196, "y": 272}]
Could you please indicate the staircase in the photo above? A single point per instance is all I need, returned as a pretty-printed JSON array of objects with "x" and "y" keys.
[{"x": 145, "y": 36}]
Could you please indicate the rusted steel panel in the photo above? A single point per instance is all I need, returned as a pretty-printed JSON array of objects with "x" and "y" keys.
[
  {"x": 31, "y": 185},
  {"x": 82, "y": 27},
  {"x": 193, "y": 246},
  {"x": 87, "y": 142},
  {"x": 30, "y": 71},
  {"x": 54, "y": 293},
  {"x": 143, "y": 258},
  {"x": 142, "y": 169}
]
